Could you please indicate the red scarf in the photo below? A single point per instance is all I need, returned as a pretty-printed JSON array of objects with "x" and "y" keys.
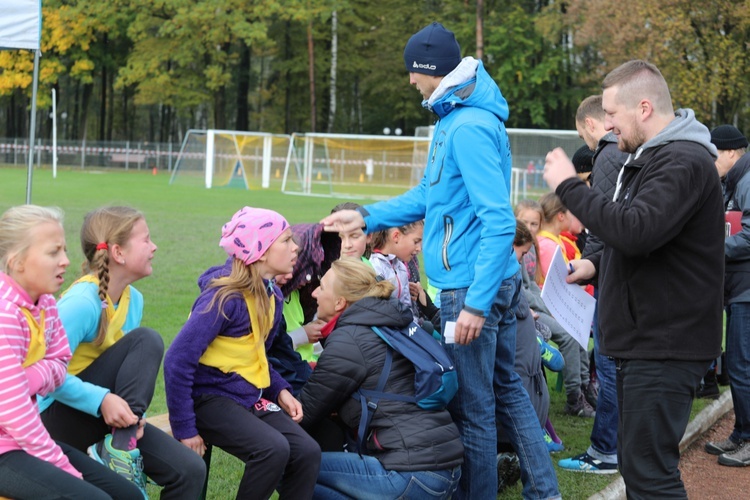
[{"x": 328, "y": 328}]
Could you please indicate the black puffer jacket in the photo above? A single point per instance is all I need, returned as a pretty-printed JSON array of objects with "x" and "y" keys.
[{"x": 403, "y": 436}]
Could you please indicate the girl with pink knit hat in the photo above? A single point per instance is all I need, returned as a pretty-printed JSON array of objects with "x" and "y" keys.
[{"x": 220, "y": 386}]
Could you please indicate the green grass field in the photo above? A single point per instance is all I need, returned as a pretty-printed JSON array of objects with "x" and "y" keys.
[{"x": 185, "y": 223}]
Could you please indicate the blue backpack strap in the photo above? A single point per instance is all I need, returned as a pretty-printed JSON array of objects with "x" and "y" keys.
[{"x": 369, "y": 400}]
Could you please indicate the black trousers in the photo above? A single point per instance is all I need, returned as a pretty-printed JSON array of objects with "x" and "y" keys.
[
  {"x": 276, "y": 451},
  {"x": 654, "y": 398},
  {"x": 129, "y": 369},
  {"x": 24, "y": 476}
]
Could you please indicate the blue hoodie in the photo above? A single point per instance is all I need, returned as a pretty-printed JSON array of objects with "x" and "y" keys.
[{"x": 464, "y": 195}]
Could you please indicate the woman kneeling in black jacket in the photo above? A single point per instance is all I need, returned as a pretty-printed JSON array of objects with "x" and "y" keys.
[{"x": 408, "y": 452}]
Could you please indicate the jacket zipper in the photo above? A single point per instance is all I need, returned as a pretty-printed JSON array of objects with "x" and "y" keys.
[{"x": 448, "y": 226}]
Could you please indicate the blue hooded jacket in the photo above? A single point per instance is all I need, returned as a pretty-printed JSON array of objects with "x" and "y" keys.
[{"x": 464, "y": 195}]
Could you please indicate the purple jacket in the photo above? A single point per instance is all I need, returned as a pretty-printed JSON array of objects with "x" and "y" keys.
[{"x": 185, "y": 378}]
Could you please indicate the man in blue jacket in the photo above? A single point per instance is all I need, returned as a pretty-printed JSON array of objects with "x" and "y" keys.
[{"x": 464, "y": 198}]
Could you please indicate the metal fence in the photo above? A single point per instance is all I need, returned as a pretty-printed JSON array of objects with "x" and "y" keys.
[{"x": 98, "y": 154}]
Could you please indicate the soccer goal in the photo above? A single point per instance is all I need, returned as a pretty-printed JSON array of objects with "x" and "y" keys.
[
  {"x": 353, "y": 166},
  {"x": 230, "y": 158},
  {"x": 379, "y": 167}
]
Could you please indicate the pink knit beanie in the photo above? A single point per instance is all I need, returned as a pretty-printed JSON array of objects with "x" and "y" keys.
[{"x": 251, "y": 232}]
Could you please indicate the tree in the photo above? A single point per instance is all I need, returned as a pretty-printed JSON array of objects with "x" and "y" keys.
[{"x": 700, "y": 47}]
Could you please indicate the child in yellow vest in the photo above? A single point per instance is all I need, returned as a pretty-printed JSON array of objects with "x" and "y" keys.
[
  {"x": 220, "y": 387},
  {"x": 34, "y": 354},
  {"x": 102, "y": 404}
]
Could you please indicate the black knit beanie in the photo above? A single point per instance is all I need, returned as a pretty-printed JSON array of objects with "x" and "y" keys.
[
  {"x": 432, "y": 51},
  {"x": 726, "y": 137},
  {"x": 583, "y": 160}
]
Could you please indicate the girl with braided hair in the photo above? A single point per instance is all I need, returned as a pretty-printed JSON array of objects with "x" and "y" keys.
[
  {"x": 111, "y": 377},
  {"x": 34, "y": 354}
]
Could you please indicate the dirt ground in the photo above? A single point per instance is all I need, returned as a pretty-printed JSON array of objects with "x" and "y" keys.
[{"x": 704, "y": 478}]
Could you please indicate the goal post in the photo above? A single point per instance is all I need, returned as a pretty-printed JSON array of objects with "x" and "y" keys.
[
  {"x": 353, "y": 166},
  {"x": 380, "y": 167},
  {"x": 229, "y": 158}
]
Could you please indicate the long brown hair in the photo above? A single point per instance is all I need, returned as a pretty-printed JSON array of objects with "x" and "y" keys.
[{"x": 113, "y": 226}]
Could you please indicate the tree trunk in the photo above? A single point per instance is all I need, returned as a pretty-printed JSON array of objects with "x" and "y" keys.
[
  {"x": 76, "y": 111},
  {"x": 220, "y": 106},
  {"x": 103, "y": 104},
  {"x": 311, "y": 57},
  {"x": 111, "y": 106},
  {"x": 259, "y": 107},
  {"x": 334, "y": 59},
  {"x": 358, "y": 106},
  {"x": 103, "y": 99},
  {"x": 243, "y": 89},
  {"x": 125, "y": 117},
  {"x": 85, "y": 100},
  {"x": 10, "y": 128},
  {"x": 152, "y": 111},
  {"x": 480, "y": 29},
  {"x": 287, "y": 84}
]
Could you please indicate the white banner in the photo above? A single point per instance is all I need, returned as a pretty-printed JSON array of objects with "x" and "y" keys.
[{"x": 20, "y": 24}]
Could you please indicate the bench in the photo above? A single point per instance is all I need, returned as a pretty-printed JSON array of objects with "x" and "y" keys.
[
  {"x": 127, "y": 158},
  {"x": 161, "y": 422}
]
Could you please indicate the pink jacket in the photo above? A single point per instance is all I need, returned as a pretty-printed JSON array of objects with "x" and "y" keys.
[{"x": 21, "y": 427}]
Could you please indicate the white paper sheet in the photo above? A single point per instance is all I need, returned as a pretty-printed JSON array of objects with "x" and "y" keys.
[
  {"x": 568, "y": 303},
  {"x": 450, "y": 332}
]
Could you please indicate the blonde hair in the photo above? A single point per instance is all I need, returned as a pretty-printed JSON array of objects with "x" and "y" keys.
[
  {"x": 529, "y": 205},
  {"x": 536, "y": 207},
  {"x": 551, "y": 205},
  {"x": 356, "y": 280},
  {"x": 15, "y": 230},
  {"x": 380, "y": 238},
  {"x": 243, "y": 278},
  {"x": 113, "y": 226}
]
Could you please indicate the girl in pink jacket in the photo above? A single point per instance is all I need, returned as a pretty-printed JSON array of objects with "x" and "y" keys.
[{"x": 34, "y": 353}]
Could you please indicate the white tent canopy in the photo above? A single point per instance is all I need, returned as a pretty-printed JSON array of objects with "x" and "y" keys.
[
  {"x": 21, "y": 28},
  {"x": 20, "y": 24}
]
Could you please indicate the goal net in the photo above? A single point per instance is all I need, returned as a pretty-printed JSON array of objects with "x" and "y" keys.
[
  {"x": 379, "y": 167},
  {"x": 354, "y": 166},
  {"x": 230, "y": 158}
]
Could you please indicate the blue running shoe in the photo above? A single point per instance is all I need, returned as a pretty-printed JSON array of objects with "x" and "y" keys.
[
  {"x": 551, "y": 357},
  {"x": 128, "y": 464},
  {"x": 552, "y": 445},
  {"x": 587, "y": 463}
]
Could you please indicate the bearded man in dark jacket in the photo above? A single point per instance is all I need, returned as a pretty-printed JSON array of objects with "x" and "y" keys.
[{"x": 660, "y": 272}]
